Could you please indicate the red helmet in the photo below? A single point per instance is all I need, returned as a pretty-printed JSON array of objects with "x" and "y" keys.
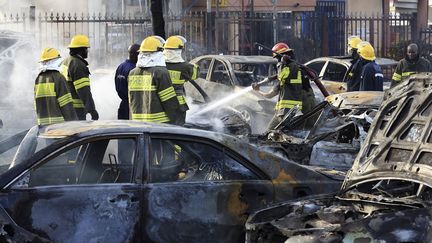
[{"x": 280, "y": 48}]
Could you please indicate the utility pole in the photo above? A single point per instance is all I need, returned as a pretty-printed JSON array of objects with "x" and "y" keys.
[
  {"x": 158, "y": 21},
  {"x": 274, "y": 21},
  {"x": 209, "y": 27}
]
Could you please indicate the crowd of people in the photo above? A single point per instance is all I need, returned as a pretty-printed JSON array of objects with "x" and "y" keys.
[{"x": 150, "y": 83}]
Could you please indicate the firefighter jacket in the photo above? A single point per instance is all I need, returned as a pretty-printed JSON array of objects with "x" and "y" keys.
[
  {"x": 76, "y": 72},
  {"x": 179, "y": 74},
  {"x": 406, "y": 68},
  {"x": 372, "y": 77},
  {"x": 53, "y": 100},
  {"x": 152, "y": 97},
  {"x": 352, "y": 78},
  {"x": 290, "y": 88}
]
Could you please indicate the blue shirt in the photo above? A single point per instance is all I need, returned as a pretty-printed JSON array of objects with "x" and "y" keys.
[
  {"x": 372, "y": 77},
  {"x": 121, "y": 77}
]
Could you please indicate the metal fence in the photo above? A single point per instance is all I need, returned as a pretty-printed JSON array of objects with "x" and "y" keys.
[{"x": 312, "y": 34}]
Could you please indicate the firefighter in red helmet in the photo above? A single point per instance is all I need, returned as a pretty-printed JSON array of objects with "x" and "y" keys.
[{"x": 293, "y": 86}]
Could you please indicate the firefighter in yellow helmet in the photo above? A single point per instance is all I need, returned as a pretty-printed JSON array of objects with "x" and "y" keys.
[
  {"x": 53, "y": 100},
  {"x": 152, "y": 97},
  {"x": 372, "y": 77},
  {"x": 352, "y": 77},
  {"x": 77, "y": 74},
  {"x": 180, "y": 71}
]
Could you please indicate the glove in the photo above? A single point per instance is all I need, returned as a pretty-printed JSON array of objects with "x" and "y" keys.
[
  {"x": 255, "y": 86},
  {"x": 94, "y": 114}
]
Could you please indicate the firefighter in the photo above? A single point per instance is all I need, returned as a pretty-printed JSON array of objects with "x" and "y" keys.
[
  {"x": 75, "y": 70},
  {"x": 121, "y": 84},
  {"x": 53, "y": 100},
  {"x": 293, "y": 87},
  {"x": 179, "y": 70},
  {"x": 412, "y": 63},
  {"x": 371, "y": 76},
  {"x": 352, "y": 78},
  {"x": 152, "y": 97}
]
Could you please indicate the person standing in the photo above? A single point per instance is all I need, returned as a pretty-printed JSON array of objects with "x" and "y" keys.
[
  {"x": 121, "y": 81},
  {"x": 371, "y": 77},
  {"x": 412, "y": 63},
  {"x": 293, "y": 88},
  {"x": 53, "y": 101},
  {"x": 152, "y": 97},
  {"x": 179, "y": 70},
  {"x": 352, "y": 77},
  {"x": 75, "y": 70}
]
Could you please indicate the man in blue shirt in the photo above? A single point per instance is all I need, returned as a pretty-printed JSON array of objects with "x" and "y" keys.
[
  {"x": 121, "y": 83},
  {"x": 371, "y": 76}
]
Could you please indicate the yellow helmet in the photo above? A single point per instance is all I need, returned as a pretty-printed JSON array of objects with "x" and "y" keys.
[
  {"x": 366, "y": 51},
  {"x": 48, "y": 54},
  {"x": 79, "y": 41},
  {"x": 151, "y": 44},
  {"x": 175, "y": 42},
  {"x": 353, "y": 41}
]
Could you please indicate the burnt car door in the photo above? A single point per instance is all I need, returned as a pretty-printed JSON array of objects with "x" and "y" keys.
[
  {"x": 199, "y": 191},
  {"x": 85, "y": 192}
]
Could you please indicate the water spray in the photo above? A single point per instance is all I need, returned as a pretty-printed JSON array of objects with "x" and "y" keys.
[{"x": 233, "y": 96}]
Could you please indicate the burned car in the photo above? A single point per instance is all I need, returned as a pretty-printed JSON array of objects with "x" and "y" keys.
[
  {"x": 335, "y": 128},
  {"x": 222, "y": 75},
  {"x": 333, "y": 70},
  {"x": 126, "y": 181},
  {"x": 387, "y": 194}
]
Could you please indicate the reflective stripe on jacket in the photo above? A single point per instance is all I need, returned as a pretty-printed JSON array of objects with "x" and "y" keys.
[
  {"x": 406, "y": 68},
  {"x": 152, "y": 97},
  {"x": 76, "y": 72},
  {"x": 290, "y": 88},
  {"x": 53, "y": 101},
  {"x": 179, "y": 74}
]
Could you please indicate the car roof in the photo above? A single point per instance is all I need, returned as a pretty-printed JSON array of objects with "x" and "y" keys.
[
  {"x": 346, "y": 60},
  {"x": 239, "y": 59}
]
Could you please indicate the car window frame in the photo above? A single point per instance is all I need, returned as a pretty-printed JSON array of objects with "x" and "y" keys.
[
  {"x": 321, "y": 72},
  {"x": 260, "y": 174},
  {"x": 336, "y": 63},
  {"x": 48, "y": 156},
  {"x": 210, "y": 66},
  {"x": 228, "y": 71}
]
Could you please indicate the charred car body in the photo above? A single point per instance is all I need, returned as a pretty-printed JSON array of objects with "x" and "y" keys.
[
  {"x": 334, "y": 69},
  {"x": 222, "y": 75},
  {"x": 125, "y": 181},
  {"x": 338, "y": 127},
  {"x": 387, "y": 194}
]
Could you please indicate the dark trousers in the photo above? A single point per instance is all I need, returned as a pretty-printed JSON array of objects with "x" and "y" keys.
[{"x": 123, "y": 110}]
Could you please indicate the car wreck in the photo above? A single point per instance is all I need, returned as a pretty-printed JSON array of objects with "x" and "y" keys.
[
  {"x": 134, "y": 182},
  {"x": 334, "y": 128},
  {"x": 386, "y": 195}
]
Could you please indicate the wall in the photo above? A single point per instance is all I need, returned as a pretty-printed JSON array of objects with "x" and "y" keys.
[{"x": 367, "y": 7}]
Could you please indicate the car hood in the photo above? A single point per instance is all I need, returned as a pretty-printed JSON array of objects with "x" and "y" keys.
[
  {"x": 359, "y": 99},
  {"x": 399, "y": 141}
]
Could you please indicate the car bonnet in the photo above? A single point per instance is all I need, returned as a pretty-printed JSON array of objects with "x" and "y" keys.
[{"x": 399, "y": 141}]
